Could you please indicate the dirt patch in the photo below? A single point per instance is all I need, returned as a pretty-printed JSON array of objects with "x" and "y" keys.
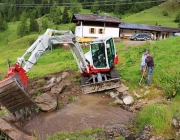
[
  {"x": 86, "y": 111},
  {"x": 72, "y": 88}
]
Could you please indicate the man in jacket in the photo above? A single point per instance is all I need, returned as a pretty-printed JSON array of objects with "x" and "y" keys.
[{"x": 150, "y": 64}]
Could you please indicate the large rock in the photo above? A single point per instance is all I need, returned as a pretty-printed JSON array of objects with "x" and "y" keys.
[
  {"x": 65, "y": 74},
  {"x": 12, "y": 132},
  {"x": 46, "y": 102},
  {"x": 58, "y": 88},
  {"x": 137, "y": 95},
  {"x": 113, "y": 95},
  {"x": 128, "y": 99},
  {"x": 118, "y": 101},
  {"x": 122, "y": 88},
  {"x": 145, "y": 133},
  {"x": 49, "y": 84},
  {"x": 176, "y": 122}
]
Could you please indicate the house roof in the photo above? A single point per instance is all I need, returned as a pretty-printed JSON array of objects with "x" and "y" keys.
[
  {"x": 169, "y": 29},
  {"x": 147, "y": 27},
  {"x": 95, "y": 17},
  {"x": 134, "y": 26}
]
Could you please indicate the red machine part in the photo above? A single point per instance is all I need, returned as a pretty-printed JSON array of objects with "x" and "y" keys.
[
  {"x": 20, "y": 72},
  {"x": 116, "y": 59}
]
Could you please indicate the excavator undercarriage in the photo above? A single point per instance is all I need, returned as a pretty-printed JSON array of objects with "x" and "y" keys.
[{"x": 112, "y": 81}]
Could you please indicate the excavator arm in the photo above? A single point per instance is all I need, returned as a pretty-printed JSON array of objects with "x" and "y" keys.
[
  {"x": 46, "y": 41},
  {"x": 13, "y": 90}
]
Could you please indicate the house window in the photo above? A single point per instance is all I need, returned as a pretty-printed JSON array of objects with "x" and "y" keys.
[
  {"x": 92, "y": 30},
  {"x": 101, "y": 31}
]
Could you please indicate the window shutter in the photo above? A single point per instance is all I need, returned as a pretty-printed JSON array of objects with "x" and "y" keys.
[
  {"x": 94, "y": 31},
  {"x": 103, "y": 31}
]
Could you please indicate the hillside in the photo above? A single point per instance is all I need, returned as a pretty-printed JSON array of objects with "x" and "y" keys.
[
  {"x": 166, "y": 75},
  {"x": 155, "y": 15}
]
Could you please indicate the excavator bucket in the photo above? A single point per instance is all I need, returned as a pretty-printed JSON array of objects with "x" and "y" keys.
[{"x": 13, "y": 95}]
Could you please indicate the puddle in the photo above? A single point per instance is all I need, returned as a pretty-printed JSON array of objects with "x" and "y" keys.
[{"x": 90, "y": 110}]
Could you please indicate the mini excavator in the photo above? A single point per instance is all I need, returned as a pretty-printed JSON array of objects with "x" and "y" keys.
[{"x": 97, "y": 67}]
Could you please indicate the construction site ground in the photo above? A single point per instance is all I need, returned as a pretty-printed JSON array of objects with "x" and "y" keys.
[{"x": 82, "y": 111}]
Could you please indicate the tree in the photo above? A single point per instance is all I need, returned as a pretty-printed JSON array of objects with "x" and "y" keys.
[
  {"x": 52, "y": 12},
  {"x": 65, "y": 17},
  {"x": 45, "y": 24},
  {"x": 22, "y": 28},
  {"x": 3, "y": 25},
  {"x": 57, "y": 15},
  {"x": 33, "y": 23},
  {"x": 75, "y": 7},
  {"x": 95, "y": 6},
  {"x": 177, "y": 19},
  {"x": 10, "y": 14},
  {"x": 119, "y": 9}
]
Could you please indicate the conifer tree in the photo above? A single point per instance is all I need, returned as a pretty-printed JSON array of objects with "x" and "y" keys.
[
  {"x": 65, "y": 17},
  {"x": 3, "y": 25},
  {"x": 57, "y": 15},
  {"x": 33, "y": 24},
  {"x": 75, "y": 7},
  {"x": 177, "y": 19},
  {"x": 95, "y": 6},
  {"x": 45, "y": 24},
  {"x": 23, "y": 29}
]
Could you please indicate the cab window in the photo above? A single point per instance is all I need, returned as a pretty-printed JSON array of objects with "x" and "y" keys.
[
  {"x": 98, "y": 55},
  {"x": 110, "y": 51}
]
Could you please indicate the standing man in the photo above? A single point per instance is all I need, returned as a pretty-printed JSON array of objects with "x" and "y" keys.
[
  {"x": 150, "y": 64},
  {"x": 143, "y": 64}
]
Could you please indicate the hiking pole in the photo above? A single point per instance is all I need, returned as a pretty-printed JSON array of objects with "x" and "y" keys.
[
  {"x": 140, "y": 80},
  {"x": 144, "y": 72}
]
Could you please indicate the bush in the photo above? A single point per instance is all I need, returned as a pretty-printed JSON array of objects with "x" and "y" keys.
[{"x": 165, "y": 13}]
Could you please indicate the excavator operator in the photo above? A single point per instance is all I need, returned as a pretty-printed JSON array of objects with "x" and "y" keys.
[{"x": 101, "y": 61}]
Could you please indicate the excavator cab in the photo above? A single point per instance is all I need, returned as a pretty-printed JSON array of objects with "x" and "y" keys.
[
  {"x": 103, "y": 53},
  {"x": 102, "y": 59},
  {"x": 98, "y": 55}
]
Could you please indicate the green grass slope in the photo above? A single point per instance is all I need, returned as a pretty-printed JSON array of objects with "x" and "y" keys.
[
  {"x": 166, "y": 78},
  {"x": 166, "y": 55},
  {"x": 155, "y": 15}
]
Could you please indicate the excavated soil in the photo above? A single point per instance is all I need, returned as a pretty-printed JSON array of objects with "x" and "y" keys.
[{"x": 86, "y": 111}]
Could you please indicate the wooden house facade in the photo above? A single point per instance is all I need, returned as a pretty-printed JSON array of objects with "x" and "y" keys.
[{"x": 94, "y": 25}]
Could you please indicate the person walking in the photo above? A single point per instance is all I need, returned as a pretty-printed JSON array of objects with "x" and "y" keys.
[
  {"x": 150, "y": 64},
  {"x": 143, "y": 64}
]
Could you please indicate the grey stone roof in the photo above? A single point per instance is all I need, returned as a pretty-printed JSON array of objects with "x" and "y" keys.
[
  {"x": 148, "y": 27},
  {"x": 96, "y": 17}
]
